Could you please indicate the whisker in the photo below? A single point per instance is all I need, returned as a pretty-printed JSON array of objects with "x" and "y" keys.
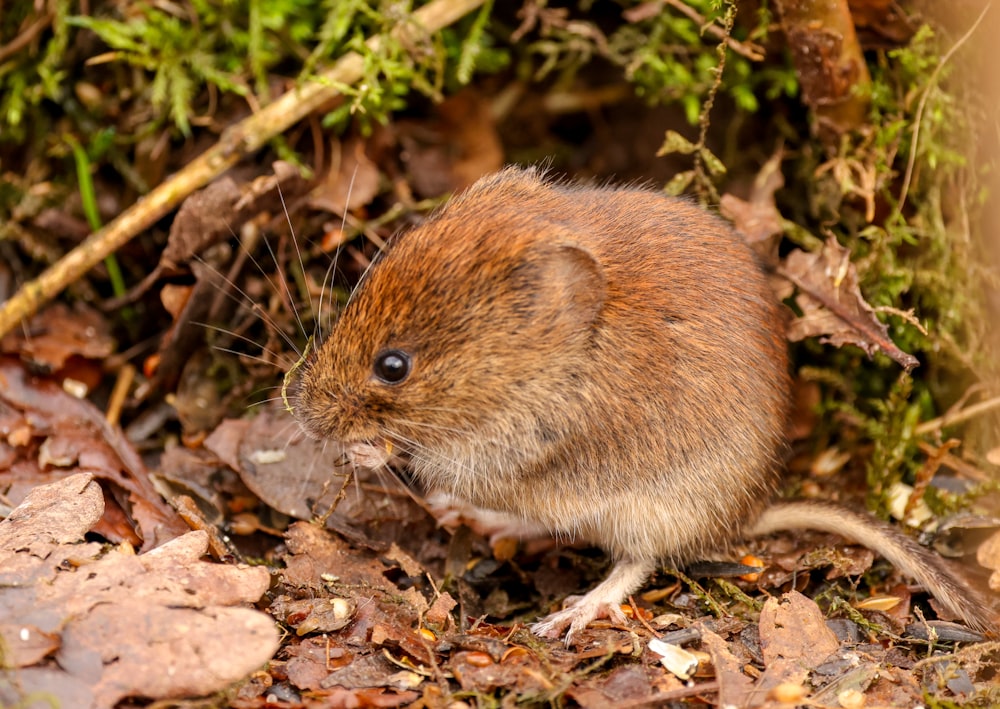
[
  {"x": 254, "y": 358},
  {"x": 249, "y": 340},
  {"x": 364, "y": 275},
  {"x": 254, "y": 404},
  {"x": 331, "y": 269},
  {"x": 253, "y": 307},
  {"x": 298, "y": 253}
]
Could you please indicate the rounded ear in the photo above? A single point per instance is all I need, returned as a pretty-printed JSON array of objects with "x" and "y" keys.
[{"x": 567, "y": 283}]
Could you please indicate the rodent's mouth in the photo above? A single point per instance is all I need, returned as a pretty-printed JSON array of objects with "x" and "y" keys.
[{"x": 368, "y": 455}]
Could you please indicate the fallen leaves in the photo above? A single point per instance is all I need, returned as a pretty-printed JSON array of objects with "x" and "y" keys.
[
  {"x": 823, "y": 283},
  {"x": 50, "y": 433},
  {"x": 161, "y": 625},
  {"x": 832, "y": 306},
  {"x": 59, "y": 333}
]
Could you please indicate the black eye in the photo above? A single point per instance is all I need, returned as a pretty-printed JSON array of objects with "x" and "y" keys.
[{"x": 392, "y": 366}]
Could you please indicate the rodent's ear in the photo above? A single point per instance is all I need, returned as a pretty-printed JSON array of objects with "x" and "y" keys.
[{"x": 571, "y": 278}]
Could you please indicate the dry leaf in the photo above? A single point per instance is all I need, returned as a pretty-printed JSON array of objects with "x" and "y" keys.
[
  {"x": 154, "y": 625},
  {"x": 832, "y": 305},
  {"x": 350, "y": 182},
  {"x": 61, "y": 431},
  {"x": 794, "y": 639},
  {"x": 735, "y": 687},
  {"x": 757, "y": 219},
  {"x": 291, "y": 472},
  {"x": 57, "y": 333}
]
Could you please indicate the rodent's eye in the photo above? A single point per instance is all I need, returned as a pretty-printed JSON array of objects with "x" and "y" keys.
[{"x": 392, "y": 366}]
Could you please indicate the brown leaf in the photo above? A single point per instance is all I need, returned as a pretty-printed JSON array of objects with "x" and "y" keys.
[
  {"x": 204, "y": 218},
  {"x": 794, "y": 639},
  {"x": 758, "y": 218},
  {"x": 793, "y": 628},
  {"x": 350, "y": 182},
  {"x": 121, "y": 619},
  {"x": 57, "y": 333},
  {"x": 25, "y": 645},
  {"x": 832, "y": 305},
  {"x": 179, "y": 652},
  {"x": 218, "y": 211},
  {"x": 77, "y": 438},
  {"x": 288, "y": 470},
  {"x": 735, "y": 687}
]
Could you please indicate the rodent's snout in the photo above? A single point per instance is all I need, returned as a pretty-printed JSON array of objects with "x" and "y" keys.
[{"x": 368, "y": 455}]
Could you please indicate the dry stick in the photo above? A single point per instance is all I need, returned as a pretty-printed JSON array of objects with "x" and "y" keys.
[
  {"x": 919, "y": 118},
  {"x": 951, "y": 419},
  {"x": 236, "y": 142},
  {"x": 750, "y": 50}
]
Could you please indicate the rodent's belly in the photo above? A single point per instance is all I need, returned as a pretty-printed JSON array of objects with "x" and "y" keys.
[{"x": 672, "y": 526}]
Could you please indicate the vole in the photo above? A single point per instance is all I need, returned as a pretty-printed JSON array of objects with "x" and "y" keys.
[{"x": 606, "y": 364}]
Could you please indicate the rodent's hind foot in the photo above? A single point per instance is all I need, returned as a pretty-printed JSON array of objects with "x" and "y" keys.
[
  {"x": 577, "y": 615},
  {"x": 603, "y": 601}
]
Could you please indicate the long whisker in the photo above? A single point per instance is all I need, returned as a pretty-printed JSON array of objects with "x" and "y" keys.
[
  {"x": 298, "y": 253},
  {"x": 248, "y": 340},
  {"x": 262, "y": 402},
  {"x": 331, "y": 269},
  {"x": 244, "y": 355},
  {"x": 253, "y": 307}
]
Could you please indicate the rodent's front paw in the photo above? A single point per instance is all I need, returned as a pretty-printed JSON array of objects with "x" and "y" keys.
[
  {"x": 450, "y": 511},
  {"x": 577, "y": 615}
]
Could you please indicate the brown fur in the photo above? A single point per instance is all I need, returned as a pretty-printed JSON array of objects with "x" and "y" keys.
[{"x": 609, "y": 363}]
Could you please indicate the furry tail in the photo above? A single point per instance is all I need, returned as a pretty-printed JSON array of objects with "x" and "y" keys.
[{"x": 912, "y": 559}]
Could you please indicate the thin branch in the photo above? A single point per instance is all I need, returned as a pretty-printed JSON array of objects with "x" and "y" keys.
[
  {"x": 951, "y": 419},
  {"x": 919, "y": 118},
  {"x": 238, "y": 141},
  {"x": 753, "y": 52}
]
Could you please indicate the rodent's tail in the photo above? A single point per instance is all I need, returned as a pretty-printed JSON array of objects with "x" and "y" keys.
[{"x": 911, "y": 558}]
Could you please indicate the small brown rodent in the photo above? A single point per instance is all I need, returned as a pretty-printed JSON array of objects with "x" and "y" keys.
[{"x": 606, "y": 364}]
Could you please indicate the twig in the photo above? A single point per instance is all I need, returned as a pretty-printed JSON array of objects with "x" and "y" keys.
[
  {"x": 26, "y": 36},
  {"x": 919, "y": 118},
  {"x": 753, "y": 52},
  {"x": 951, "y": 419},
  {"x": 238, "y": 141}
]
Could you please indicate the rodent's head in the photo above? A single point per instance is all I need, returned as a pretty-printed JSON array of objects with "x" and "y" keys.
[{"x": 460, "y": 334}]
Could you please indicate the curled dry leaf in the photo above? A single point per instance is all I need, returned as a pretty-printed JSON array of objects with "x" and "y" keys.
[
  {"x": 157, "y": 625},
  {"x": 832, "y": 305},
  {"x": 758, "y": 218},
  {"x": 350, "y": 182},
  {"x": 57, "y": 333}
]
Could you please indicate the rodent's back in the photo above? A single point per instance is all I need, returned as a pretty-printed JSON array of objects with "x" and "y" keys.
[
  {"x": 609, "y": 362},
  {"x": 691, "y": 381}
]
